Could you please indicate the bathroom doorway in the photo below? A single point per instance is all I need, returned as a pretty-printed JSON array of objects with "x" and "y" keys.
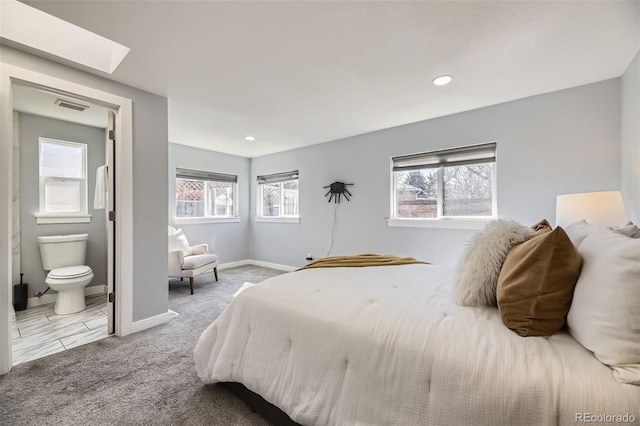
[
  {"x": 119, "y": 263},
  {"x": 51, "y": 129}
]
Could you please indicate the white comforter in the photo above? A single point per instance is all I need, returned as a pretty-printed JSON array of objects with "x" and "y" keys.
[{"x": 388, "y": 346}]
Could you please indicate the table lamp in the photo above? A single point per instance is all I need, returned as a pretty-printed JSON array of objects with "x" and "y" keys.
[{"x": 604, "y": 208}]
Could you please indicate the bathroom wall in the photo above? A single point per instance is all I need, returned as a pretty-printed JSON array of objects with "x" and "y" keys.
[{"x": 31, "y": 128}]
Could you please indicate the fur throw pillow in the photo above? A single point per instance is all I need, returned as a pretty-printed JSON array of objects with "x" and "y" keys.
[{"x": 482, "y": 260}]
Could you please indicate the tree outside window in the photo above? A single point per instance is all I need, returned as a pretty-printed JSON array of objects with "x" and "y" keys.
[{"x": 453, "y": 183}]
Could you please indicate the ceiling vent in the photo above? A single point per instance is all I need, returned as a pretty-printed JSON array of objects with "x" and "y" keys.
[{"x": 71, "y": 105}]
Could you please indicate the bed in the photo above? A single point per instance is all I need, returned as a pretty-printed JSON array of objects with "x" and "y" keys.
[{"x": 389, "y": 346}]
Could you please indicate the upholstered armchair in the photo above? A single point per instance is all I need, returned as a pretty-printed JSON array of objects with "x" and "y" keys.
[{"x": 189, "y": 261}]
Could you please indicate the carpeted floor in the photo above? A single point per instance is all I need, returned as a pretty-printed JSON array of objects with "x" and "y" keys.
[{"x": 147, "y": 378}]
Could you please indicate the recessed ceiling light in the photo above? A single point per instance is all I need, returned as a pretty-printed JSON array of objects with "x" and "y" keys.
[
  {"x": 250, "y": 138},
  {"x": 442, "y": 80}
]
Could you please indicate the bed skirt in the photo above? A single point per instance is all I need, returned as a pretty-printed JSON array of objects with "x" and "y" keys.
[{"x": 258, "y": 404}]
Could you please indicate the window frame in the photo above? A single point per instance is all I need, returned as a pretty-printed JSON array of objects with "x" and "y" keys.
[
  {"x": 45, "y": 216},
  {"x": 206, "y": 176},
  {"x": 440, "y": 160},
  {"x": 281, "y": 179}
]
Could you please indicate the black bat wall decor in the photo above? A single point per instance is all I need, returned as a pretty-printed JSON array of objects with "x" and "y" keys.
[{"x": 337, "y": 190}]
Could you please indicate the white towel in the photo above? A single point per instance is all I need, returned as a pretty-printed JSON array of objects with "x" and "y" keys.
[{"x": 100, "y": 197}]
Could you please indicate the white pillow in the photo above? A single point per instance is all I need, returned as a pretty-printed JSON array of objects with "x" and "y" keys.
[
  {"x": 579, "y": 230},
  {"x": 628, "y": 229},
  {"x": 178, "y": 242},
  {"x": 482, "y": 260},
  {"x": 605, "y": 311}
]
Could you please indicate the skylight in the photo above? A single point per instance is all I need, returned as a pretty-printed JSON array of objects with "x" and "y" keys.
[{"x": 30, "y": 27}]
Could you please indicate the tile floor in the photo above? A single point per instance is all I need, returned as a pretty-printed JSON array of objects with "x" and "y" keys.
[{"x": 39, "y": 332}]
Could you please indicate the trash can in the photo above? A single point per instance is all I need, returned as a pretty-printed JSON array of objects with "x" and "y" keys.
[{"x": 20, "y": 295}]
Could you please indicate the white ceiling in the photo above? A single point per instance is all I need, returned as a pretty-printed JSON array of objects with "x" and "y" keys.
[
  {"x": 296, "y": 73},
  {"x": 41, "y": 102}
]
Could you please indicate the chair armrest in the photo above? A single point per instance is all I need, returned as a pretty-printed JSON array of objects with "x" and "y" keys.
[
  {"x": 199, "y": 249},
  {"x": 176, "y": 259}
]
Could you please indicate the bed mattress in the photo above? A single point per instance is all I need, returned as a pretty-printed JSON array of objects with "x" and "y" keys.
[{"x": 388, "y": 346}]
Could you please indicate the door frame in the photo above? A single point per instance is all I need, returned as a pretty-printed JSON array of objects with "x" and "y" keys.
[
  {"x": 110, "y": 150},
  {"x": 123, "y": 109}
]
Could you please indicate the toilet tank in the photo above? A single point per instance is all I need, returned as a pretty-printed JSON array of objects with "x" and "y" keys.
[{"x": 58, "y": 251}]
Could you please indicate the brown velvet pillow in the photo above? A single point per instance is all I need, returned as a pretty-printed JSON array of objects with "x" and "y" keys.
[
  {"x": 543, "y": 225},
  {"x": 536, "y": 283}
]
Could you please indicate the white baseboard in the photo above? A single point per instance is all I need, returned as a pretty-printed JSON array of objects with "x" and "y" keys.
[
  {"x": 277, "y": 266},
  {"x": 151, "y": 322},
  {"x": 51, "y": 298},
  {"x": 228, "y": 265}
]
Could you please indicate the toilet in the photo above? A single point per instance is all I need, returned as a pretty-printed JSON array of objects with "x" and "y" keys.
[{"x": 64, "y": 256}]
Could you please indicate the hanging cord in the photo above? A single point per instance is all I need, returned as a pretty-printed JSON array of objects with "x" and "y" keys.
[{"x": 333, "y": 228}]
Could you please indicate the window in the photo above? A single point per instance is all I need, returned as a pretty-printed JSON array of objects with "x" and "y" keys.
[
  {"x": 63, "y": 178},
  {"x": 278, "y": 196},
  {"x": 202, "y": 194},
  {"x": 455, "y": 183}
]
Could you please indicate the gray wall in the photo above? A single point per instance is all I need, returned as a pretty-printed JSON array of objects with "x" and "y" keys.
[
  {"x": 150, "y": 157},
  {"x": 631, "y": 139},
  {"x": 230, "y": 241},
  {"x": 556, "y": 143},
  {"x": 31, "y": 128}
]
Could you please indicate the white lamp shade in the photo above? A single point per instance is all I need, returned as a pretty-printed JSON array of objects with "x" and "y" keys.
[{"x": 604, "y": 208}]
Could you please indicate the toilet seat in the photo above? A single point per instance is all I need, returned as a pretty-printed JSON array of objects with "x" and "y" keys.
[{"x": 69, "y": 272}]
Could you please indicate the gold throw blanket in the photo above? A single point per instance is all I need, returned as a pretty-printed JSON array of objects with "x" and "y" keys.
[{"x": 360, "y": 261}]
